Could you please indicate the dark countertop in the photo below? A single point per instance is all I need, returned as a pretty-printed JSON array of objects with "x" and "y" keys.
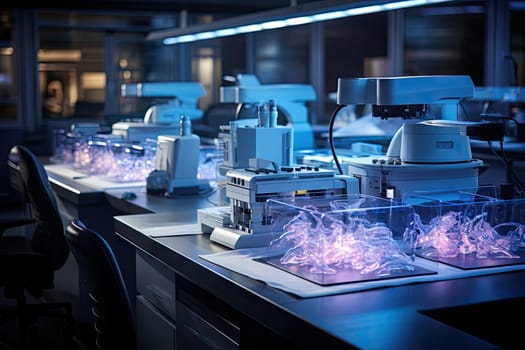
[
  {"x": 475, "y": 310},
  {"x": 385, "y": 318},
  {"x": 66, "y": 186},
  {"x": 160, "y": 204},
  {"x": 126, "y": 198}
]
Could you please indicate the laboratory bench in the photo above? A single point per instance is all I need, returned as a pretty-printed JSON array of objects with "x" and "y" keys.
[
  {"x": 80, "y": 197},
  {"x": 209, "y": 304},
  {"x": 96, "y": 201},
  {"x": 183, "y": 301}
]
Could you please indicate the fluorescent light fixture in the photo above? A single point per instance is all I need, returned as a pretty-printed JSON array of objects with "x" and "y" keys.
[
  {"x": 328, "y": 16},
  {"x": 187, "y": 38},
  {"x": 249, "y": 28},
  {"x": 298, "y": 20},
  {"x": 283, "y": 17},
  {"x": 205, "y": 35},
  {"x": 364, "y": 10},
  {"x": 226, "y": 32},
  {"x": 404, "y": 4},
  {"x": 273, "y": 24}
]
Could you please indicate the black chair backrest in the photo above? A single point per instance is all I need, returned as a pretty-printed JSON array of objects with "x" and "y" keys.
[
  {"x": 48, "y": 237},
  {"x": 112, "y": 312}
]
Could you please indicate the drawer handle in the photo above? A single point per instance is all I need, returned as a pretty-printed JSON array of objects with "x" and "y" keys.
[
  {"x": 161, "y": 297},
  {"x": 209, "y": 342}
]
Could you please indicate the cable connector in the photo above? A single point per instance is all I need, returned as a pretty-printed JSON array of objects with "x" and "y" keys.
[{"x": 489, "y": 131}]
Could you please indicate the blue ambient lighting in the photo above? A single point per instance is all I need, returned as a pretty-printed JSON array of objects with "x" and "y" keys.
[
  {"x": 364, "y": 10},
  {"x": 297, "y": 20},
  {"x": 250, "y": 28},
  {"x": 328, "y": 16},
  {"x": 273, "y": 24},
  {"x": 404, "y": 4},
  {"x": 205, "y": 35},
  {"x": 226, "y": 32}
]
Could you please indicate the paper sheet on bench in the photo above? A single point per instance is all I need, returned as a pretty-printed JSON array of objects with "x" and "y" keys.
[
  {"x": 242, "y": 261},
  {"x": 173, "y": 230}
]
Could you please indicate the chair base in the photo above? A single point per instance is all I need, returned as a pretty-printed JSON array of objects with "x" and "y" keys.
[{"x": 27, "y": 315}]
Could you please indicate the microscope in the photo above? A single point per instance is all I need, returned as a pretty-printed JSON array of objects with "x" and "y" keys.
[
  {"x": 290, "y": 99},
  {"x": 260, "y": 138},
  {"x": 161, "y": 117},
  {"x": 423, "y": 155}
]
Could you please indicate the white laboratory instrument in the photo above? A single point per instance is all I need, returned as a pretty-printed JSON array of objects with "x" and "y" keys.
[
  {"x": 244, "y": 223},
  {"x": 139, "y": 131},
  {"x": 422, "y": 156},
  {"x": 407, "y": 97},
  {"x": 245, "y": 139},
  {"x": 162, "y": 117},
  {"x": 178, "y": 157},
  {"x": 291, "y": 99}
]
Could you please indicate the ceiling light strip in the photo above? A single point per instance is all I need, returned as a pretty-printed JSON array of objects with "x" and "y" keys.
[{"x": 285, "y": 17}]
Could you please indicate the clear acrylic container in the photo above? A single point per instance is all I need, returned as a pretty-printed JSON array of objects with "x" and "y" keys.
[
  {"x": 342, "y": 239},
  {"x": 474, "y": 229}
]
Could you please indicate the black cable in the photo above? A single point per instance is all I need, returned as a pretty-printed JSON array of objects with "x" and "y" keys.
[
  {"x": 498, "y": 117},
  {"x": 514, "y": 177},
  {"x": 513, "y": 173},
  {"x": 216, "y": 202},
  {"x": 331, "y": 136}
]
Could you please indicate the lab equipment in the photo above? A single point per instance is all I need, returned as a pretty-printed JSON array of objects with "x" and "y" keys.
[
  {"x": 244, "y": 223},
  {"x": 134, "y": 131},
  {"x": 178, "y": 156},
  {"x": 245, "y": 139},
  {"x": 161, "y": 117},
  {"x": 407, "y": 97},
  {"x": 290, "y": 99},
  {"x": 185, "y": 97},
  {"x": 422, "y": 155},
  {"x": 85, "y": 128}
]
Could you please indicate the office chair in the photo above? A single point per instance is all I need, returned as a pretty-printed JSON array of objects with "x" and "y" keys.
[
  {"x": 114, "y": 323},
  {"x": 28, "y": 261},
  {"x": 13, "y": 212}
]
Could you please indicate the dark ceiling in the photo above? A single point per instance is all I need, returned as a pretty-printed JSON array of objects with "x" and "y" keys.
[
  {"x": 196, "y": 6},
  {"x": 141, "y": 15}
]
